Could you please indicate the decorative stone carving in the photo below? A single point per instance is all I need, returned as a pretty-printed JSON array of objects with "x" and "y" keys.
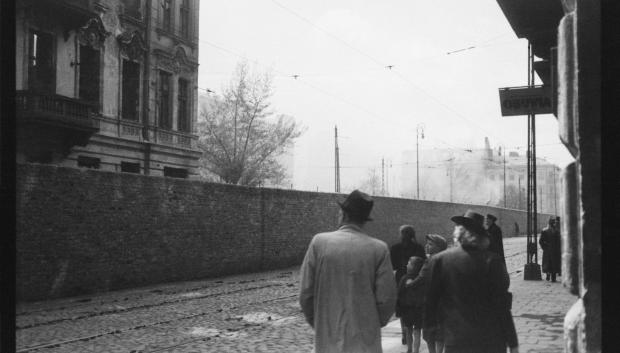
[
  {"x": 132, "y": 45},
  {"x": 93, "y": 33},
  {"x": 177, "y": 62}
]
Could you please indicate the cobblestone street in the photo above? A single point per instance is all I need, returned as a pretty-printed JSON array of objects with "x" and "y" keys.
[{"x": 244, "y": 313}]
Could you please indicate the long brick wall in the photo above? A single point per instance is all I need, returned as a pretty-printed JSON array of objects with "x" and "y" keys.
[{"x": 85, "y": 231}]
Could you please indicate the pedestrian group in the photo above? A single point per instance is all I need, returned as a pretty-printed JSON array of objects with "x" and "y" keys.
[{"x": 454, "y": 298}]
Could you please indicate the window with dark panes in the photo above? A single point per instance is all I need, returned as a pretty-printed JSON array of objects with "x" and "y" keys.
[
  {"x": 185, "y": 32},
  {"x": 175, "y": 172},
  {"x": 183, "y": 105},
  {"x": 89, "y": 75},
  {"x": 165, "y": 116},
  {"x": 129, "y": 167},
  {"x": 88, "y": 162},
  {"x": 41, "y": 67},
  {"x": 167, "y": 14},
  {"x": 131, "y": 90}
]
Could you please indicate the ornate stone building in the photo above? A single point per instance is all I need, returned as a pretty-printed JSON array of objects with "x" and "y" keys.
[{"x": 108, "y": 84}]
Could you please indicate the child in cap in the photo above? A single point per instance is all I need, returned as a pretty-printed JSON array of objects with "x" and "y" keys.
[{"x": 409, "y": 307}]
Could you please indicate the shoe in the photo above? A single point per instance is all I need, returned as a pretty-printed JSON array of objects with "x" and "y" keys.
[
  {"x": 404, "y": 341},
  {"x": 547, "y": 276}
]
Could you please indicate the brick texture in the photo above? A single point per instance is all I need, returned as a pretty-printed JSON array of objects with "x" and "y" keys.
[{"x": 85, "y": 231}]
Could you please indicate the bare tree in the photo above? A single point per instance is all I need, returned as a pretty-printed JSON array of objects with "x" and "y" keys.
[
  {"x": 372, "y": 183},
  {"x": 240, "y": 137}
]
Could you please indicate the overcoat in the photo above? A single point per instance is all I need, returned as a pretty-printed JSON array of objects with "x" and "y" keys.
[
  {"x": 347, "y": 290},
  {"x": 497, "y": 243},
  {"x": 400, "y": 254},
  {"x": 468, "y": 296},
  {"x": 552, "y": 253}
]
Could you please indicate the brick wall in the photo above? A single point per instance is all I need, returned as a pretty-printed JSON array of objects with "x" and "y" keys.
[{"x": 84, "y": 231}]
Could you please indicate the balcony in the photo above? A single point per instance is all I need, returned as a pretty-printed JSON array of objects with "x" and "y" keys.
[
  {"x": 56, "y": 110},
  {"x": 49, "y": 124},
  {"x": 174, "y": 138}
]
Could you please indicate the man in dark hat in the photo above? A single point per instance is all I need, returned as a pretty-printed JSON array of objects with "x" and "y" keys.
[
  {"x": 347, "y": 287},
  {"x": 496, "y": 243},
  {"x": 468, "y": 293}
]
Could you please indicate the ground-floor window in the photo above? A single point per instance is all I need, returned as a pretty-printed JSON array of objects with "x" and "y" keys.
[
  {"x": 88, "y": 162},
  {"x": 175, "y": 172},
  {"x": 129, "y": 167}
]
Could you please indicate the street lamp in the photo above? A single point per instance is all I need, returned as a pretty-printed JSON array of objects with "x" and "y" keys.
[{"x": 419, "y": 132}]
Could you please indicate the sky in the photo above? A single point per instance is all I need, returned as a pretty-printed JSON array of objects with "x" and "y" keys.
[{"x": 340, "y": 50}]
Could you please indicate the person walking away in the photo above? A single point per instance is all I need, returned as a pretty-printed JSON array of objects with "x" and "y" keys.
[
  {"x": 435, "y": 244},
  {"x": 495, "y": 237},
  {"x": 550, "y": 243},
  {"x": 347, "y": 290},
  {"x": 400, "y": 253},
  {"x": 410, "y": 305},
  {"x": 468, "y": 293}
]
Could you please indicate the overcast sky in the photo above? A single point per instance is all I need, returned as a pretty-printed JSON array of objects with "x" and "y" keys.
[{"x": 339, "y": 49}]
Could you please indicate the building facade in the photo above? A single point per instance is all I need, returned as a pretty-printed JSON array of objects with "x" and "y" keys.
[
  {"x": 479, "y": 176},
  {"x": 509, "y": 176},
  {"x": 108, "y": 84},
  {"x": 566, "y": 36}
]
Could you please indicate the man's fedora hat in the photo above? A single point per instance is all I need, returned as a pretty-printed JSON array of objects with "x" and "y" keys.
[
  {"x": 358, "y": 204},
  {"x": 472, "y": 221},
  {"x": 491, "y": 217}
]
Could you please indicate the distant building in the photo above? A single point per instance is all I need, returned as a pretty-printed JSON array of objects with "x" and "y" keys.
[
  {"x": 547, "y": 182},
  {"x": 108, "y": 84},
  {"x": 476, "y": 176}
]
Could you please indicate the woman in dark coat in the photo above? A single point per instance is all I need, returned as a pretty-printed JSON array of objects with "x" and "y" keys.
[{"x": 552, "y": 252}]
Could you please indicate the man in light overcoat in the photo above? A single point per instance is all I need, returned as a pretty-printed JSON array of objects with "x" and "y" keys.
[{"x": 347, "y": 287}]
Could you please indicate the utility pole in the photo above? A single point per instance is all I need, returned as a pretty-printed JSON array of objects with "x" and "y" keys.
[
  {"x": 555, "y": 193},
  {"x": 337, "y": 161},
  {"x": 382, "y": 176},
  {"x": 387, "y": 178},
  {"x": 419, "y": 129},
  {"x": 519, "y": 200},
  {"x": 532, "y": 268},
  {"x": 504, "y": 150},
  {"x": 450, "y": 171}
]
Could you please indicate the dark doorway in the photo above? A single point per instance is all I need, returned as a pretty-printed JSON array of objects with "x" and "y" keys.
[
  {"x": 165, "y": 115},
  {"x": 89, "y": 75},
  {"x": 41, "y": 67},
  {"x": 131, "y": 90},
  {"x": 183, "y": 115}
]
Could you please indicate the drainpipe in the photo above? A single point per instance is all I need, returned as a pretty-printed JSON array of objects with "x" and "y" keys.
[{"x": 146, "y": 88}]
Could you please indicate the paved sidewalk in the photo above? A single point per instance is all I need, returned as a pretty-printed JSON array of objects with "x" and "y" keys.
[{"x": 538, "y": 309}]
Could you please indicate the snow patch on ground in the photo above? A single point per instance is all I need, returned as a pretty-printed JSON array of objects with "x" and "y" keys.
[
  {"x": 204, "y": 332},
  {"x": 260, "y": 317}
]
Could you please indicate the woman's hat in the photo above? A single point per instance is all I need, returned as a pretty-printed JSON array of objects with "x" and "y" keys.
[
  {"x": 358, "y": 204},
  {"x": 472, "y": 221}
]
